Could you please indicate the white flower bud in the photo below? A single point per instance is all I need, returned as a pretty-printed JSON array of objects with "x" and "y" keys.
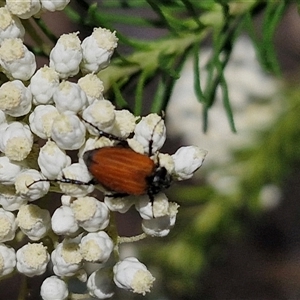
[
  {"x": 119, "y": 204},
  {"x": 16, "y": 140},
  {"x": 8, "y": 171},
  {"x": 100, "y": 284},
  {"x": 161, "y": 226},
  {"x": 33, "y": 221},
  {"x": 52, "y": 160},
  {"x": 69, "y": 97},
  {"x": 15, "y": 98},
  {"x": 68, "y": 132},
  {"x": 66, "y": 200},
  {"x": 97, "y": 50},
  {"x": 24, "y": 9},
  {"x": 78, "y": 172},
  {"x": 16, "y": 60},
  {"x": 132, "y": 275},
  {"x": 148, "y": 210},
  {"x": 29, "y": 191},
  {"x": 91, "y": 214},
  {"x": 10, "y": 201},
  {"x": 51, "y": 5},
  {"x": 43, "y": 84},
  {"x": 66, "y": 55},
  {"x": 2, "y": 117},
  {"x": 7, "y": 260},
  {"x": 41, "y": 120},
  {"x": 124, "y": 123},
  {"x": 8, "y": 226},
  {"x": 63, "y": 221},
  {"x": 187, "y": 161},
  {"x": 96, "y": 247},
  {"x": 32, "y": 259},
  {"x": 92, "y": 86},
  {"x": 135, "y": 146},
  {"x": 10, "y": 25},
  {"x": 151, "y": 128},
  {"x": 66, "y": 258},
  {"x": 165, "y": 160},
  {"x": 54, "y": 288},
  {"x": 101, "y": 113}
]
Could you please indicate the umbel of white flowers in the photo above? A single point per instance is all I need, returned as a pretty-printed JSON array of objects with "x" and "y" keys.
[{"x": 52, "y": 109}]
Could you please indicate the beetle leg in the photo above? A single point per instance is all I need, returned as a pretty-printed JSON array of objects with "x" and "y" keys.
[
  {"x": 162, "y": 118},
  {"x": 116, "y": 195},
  {"x": 105, "y": 134}
]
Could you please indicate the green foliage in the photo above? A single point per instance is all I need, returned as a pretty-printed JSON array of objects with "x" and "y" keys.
[{"x": 185, "y": 24}]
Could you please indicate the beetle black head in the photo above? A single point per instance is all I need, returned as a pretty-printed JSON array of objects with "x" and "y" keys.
[{"x": 160, "y": 180}]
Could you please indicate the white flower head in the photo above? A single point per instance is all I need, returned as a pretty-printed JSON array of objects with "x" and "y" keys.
[
  {"x": 54, "y": 5},
  {"x": 8, "y": 225},
  {"x": 43, "y": 84},
  {"x": 161, "y": 226},
  {"x": 132, "y": 275},
  {"x": 151, "y": 128},
  {"x": 119, "y": 204},
  {"x": 8, "y": 170},
  {"x": 7, "y": 260},
  {"x": 69, "y": 97},
  {"x": 52, "y": 160},
  {"x": 26, "y": 186},
  {"x": 16, "y": 60},
  {"x": 97, "y": 50},
  {"x": 66, "y": 55},
  {"x": 2, "y": 117},
  {"x": 135, "y": 145},
  {"x": 68, "y": 132},
  {"x": 66, "y": 258},
  {"x": 24, "y": 9},
  {"x": 41, "y": 120},
  {"x": 34, "y": 221},
  {"x": 166, "y": 160},
  {"x": 32, "y": 259},
  {"x": 101, "y": 113},
  {"x": 16, "y": 140},
  {"x": 63, "y": 221},
  {"x": 96, "y": 247},
  {"x": 187, "y": 160},
  {"x": 148, "y": 210},
  {"x": 91, "y": 214},
  {"x": 10, "y": 25},
  {"x": 124, "y": 124},
  {"x": 80, "y": 173},
  {"x": 100, "y": 284},
  {"x": 54, "y": 288},
  {"x": 15, "y": 98},
  {"x": 10, "y": 201},
  {"x": 92, "y": 86}
]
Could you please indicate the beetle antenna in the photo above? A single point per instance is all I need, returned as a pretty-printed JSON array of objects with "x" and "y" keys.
[{"x": 63, "y": 180}]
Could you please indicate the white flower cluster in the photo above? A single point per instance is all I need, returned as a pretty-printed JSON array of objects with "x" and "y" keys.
[{"x": 43, "y": 105}]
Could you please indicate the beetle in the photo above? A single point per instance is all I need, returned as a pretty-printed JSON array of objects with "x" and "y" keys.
[{"x": 121, "y": 170}]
